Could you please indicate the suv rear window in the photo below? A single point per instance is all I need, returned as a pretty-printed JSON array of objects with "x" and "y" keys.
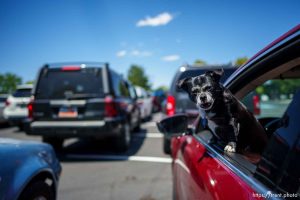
[
  {"x": 22, "y": 93},
  {"x": 192, "y": 73},
  {"x": 196, "y": 72},
  {"x": 58, "y": 84}
]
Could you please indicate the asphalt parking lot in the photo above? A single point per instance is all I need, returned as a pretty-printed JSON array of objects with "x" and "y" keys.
[{"x": 92, "y": 170}]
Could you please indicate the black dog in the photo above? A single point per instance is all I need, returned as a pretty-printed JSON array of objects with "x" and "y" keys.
[{"x": 227, "y": 117}]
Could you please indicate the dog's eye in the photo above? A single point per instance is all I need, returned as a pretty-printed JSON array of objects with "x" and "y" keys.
[{"x": 208, "y": 88}]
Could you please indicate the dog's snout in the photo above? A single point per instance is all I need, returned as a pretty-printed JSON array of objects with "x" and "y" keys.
[{"x": 202, "y": 97}]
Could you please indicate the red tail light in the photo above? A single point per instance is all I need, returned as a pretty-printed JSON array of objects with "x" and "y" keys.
[
  {"x": 256, "y": 105},
  {"x": 7, "y": 103},
  {"x": 30, "y": 110},
  {"x": 110, "y": 107},
  {"x": 170, "y": 107}
]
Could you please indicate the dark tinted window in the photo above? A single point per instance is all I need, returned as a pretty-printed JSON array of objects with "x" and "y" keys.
[
  {"x": 119, "y": 85},
  {"x": 279, "y": 168},
  {"x": 192, "y": 73},
  {"x": 57, "y": 84},
  {"x": 22, "y": 93},
  {"x": 2, "y": 99}
]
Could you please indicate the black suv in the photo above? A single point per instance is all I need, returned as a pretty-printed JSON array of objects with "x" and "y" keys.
[
  {"x": 178, "y": 101},
  {"x": 82, "y": 100}
]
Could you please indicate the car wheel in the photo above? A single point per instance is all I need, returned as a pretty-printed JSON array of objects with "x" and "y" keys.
[
  {"x": 56, "y": 143},
  {"x": 122, "y": 142},
  {"x": 167, "y": 145},
  {"x": 138, "y": 126},
  {"x": 21, "y": 127},
  {"x": 38, "y": 190}
]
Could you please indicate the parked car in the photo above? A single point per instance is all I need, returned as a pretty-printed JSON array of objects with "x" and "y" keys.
[
  {"x": 145, "y": 102},
  {"x": 3, "y": 98},
  {"x": 178, "y": 101},
  {"x": 201, "y": 169},
  {"x": 15, "y": 110},
  {"x": 82, "y": 100},
  {"x": 28, "y": 170}
]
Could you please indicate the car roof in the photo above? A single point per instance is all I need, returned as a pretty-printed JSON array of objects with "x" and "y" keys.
[
  {"x": 25, "y": 86},
  {"x": 78, "y": 64},
  {"x": 187, "y": 67}
]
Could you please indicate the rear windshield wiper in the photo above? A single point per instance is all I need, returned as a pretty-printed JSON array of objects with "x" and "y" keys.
[{"x": 81, "y": 96}]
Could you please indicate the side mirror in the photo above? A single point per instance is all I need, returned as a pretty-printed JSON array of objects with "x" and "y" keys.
[{"x": 175, "y": 125}]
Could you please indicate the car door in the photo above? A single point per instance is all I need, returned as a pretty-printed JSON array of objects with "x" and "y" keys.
[{"x": 203, "y": 173}]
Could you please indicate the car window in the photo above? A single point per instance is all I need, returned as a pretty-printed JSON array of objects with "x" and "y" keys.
[
  {"x": 22, "y": 93},
  {"x": 123, "y": 87},
  {"x": 58, "y": 84},
  {"x": 280, "y": 163},
  {"x": 192, "y": 73},
  {"x": 133, "y": 92},
  {"x": 271, "y": 98},
  {"x": 2, "y": 99}
]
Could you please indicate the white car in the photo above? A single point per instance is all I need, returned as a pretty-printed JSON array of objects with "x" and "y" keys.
[
  {"x": 145, "y": 102},
  {"x": 15, "y": 110},
  {"x": 3, "y": 98}
]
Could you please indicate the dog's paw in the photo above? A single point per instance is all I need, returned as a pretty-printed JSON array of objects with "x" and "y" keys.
[{"x": 230, "y": 147}]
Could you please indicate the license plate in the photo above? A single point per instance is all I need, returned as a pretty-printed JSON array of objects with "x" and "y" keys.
[
  {"x": 68, "y": 112},
  {"x": 22, "y": 105}
]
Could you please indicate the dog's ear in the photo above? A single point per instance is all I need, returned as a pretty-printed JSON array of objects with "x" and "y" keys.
[
  {"x": 183, "y": 83},
  {"x": 216, "y": 74}
]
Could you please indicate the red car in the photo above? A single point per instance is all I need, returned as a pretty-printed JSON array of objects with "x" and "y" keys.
[{"x": 201, "y": 169}]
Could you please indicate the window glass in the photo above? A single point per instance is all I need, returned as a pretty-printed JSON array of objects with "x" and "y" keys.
[
  {"x": 22, "y": 93},
  {"x": 123, "y": 89},
  {"x": 272, "y": 98},
  {"x": 279, "y": 167},
  {"x": 58, "y": 84},
  {"x": 116, "y": 81}
]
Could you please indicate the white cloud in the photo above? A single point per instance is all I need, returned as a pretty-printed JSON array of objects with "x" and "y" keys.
[
  {"x": 121, "y": 53},
  {"x": 171, "y": 58},
  {"x": 139, "y": 53},
  {"x": 159, "y": 20},
  {"x": 134, "y": 53}
]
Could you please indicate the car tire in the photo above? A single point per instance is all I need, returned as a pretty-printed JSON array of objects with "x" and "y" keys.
[
  {"x": 38, "y": 190},
  {"x": 167, "y": 145},
  {"x": 122, "y": 142},
  {"x": 21, "y": 127},
  {"x": 137, "y": 128},
  {"x": 56, "y": 143}
]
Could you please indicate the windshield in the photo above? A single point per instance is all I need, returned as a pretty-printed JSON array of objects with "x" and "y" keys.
[
  {"x": 57, "y": 84},
  {"x": 22, "y": 93}
]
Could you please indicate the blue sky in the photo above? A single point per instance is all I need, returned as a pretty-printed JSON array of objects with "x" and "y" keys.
[{"x": 159, "y": 35}]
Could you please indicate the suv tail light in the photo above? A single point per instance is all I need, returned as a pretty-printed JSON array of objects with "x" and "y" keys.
[
  {"x": 256, "y": 105},
  {"x": 170, "y": 106},
  {"x": 30, "y": 109},
  {"x": 110, "y": 107}
]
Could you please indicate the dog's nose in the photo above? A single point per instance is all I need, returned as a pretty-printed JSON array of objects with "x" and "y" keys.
[{"x": 202, "y": 97}]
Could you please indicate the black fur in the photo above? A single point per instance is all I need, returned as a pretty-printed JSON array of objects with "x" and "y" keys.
[{"x": 227, "y": 117}]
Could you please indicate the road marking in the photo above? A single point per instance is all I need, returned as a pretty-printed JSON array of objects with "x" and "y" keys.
[
  {"x": 149, "y": 124},
  {"x": 116, "y": 157},
  {"x": 149, "y": 135}
]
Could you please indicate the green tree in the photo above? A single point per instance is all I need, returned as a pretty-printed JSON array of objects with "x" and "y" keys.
[
  {"x": 240, "y": 61},
  {"x": 199, "y": 62},
  {"x": 9, "y": 82},
  {"x": 136, "y": 75},
  {"x": 163, "y": 88},
  {"x": 29, "y": 82}
]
